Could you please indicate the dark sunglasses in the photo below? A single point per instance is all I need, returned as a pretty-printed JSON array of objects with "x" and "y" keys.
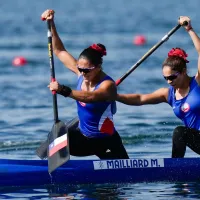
[
  {"x": 171, "y": 77},
  {"x": 85, "y": 70}
]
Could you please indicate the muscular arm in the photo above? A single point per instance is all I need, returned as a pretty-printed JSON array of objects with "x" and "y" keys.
[
  {"x": 156, "y": 97},
  {"x": 106, "y": 92},
  {"x": 196, "y": 40},
  {"x": 59, "y": 50}
]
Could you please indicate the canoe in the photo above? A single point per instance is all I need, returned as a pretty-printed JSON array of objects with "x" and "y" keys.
[{"x": 35, "y": 172}]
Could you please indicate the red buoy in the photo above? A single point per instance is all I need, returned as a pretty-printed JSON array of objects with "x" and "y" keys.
[
  {"x": 139, "y": 40},
  {"x": 19, "y": 61}
]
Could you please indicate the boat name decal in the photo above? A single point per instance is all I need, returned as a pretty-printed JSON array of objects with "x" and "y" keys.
[{"x": 128, "y": 163}]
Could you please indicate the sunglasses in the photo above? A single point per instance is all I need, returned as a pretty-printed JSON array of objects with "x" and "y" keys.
[
  {"x": 85, "y": 70},
  {"x": 171, "y": 77}
]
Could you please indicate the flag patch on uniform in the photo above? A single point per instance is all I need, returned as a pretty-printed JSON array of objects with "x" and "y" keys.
[{"x": 58, "y": 144}]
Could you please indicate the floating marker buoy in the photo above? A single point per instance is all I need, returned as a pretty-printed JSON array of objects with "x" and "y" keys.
[
  {"x": 139, "y": 40},
  {"x": 19, "y": 61}
]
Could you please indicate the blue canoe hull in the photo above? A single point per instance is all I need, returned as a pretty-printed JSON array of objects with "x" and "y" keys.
[{"x": 35, "y": 172}]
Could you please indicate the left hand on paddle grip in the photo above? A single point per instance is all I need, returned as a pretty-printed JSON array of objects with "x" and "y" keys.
[
  {"x": 186, "y": 22},
  {"x": 47, "y": 15}
]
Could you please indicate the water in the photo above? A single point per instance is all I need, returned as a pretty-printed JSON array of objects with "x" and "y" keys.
[{"x": 26, "y": 103}]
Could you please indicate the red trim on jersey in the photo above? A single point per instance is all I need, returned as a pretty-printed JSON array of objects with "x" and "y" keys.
[{"x": 107, "y": 127}]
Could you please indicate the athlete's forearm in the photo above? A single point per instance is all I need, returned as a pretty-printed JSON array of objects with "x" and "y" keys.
[
  {"x": 129, "y": 99},
  {"x": 196, "y": 40},
  {"x": 63, "y": 55},
  {"x": 57, "y": 43}
]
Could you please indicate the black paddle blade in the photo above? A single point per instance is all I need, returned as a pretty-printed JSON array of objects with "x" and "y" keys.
[
  {"x": 41, "y": 151},
  {"x": 58, "y": 146}
]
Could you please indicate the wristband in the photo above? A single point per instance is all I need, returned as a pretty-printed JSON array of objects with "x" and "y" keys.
[
  {"x": 64, "y": 90},
  {"x": 188, "y": 28}
]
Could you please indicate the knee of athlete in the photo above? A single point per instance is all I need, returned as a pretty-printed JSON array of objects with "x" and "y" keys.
[{"x": 179, "y": 131}]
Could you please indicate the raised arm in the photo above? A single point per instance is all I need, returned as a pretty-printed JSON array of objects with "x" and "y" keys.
[
  {"x": 156, "y": 97},
  {"x": 59, "y": 50},
  {"x": 196, "y": 40}
]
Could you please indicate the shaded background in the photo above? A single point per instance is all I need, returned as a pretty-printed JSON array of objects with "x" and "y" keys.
[{"x": 26, "y": 103}]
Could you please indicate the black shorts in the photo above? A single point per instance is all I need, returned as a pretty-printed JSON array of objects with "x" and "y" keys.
[
  {"x": 110, "y": 147},
  {"x": 185, "y": 137}
]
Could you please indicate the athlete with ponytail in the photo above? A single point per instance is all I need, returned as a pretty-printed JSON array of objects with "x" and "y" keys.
[
  {"x": 95, "y": 96},
  {"x": 183, "y": 95}
]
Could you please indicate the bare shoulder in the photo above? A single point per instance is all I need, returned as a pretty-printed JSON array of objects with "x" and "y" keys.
[
  {"x": 197, "y": 78},
  {"x": 108, "y": 90},
  {"x": 108, "y": 84},
  {"x": 162, "y": 92}
]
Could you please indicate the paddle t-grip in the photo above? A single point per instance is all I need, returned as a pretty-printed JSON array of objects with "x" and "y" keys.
[{"x": 185, "y": 23}]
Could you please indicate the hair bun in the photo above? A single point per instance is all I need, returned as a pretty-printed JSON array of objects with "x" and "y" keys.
[
  {"x": 99, "y": 49},
  {"x": 179, "y": 53}
]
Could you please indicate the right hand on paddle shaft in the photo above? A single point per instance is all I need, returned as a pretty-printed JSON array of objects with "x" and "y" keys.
[
  {"x": 48, "y": 15},
  {"x": 183, "y": 19},
  {"x": 60, "y": 89}
]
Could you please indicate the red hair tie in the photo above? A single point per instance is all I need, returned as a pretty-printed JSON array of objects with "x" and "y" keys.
[
  {"x": 179, "y": 53},
  {"x": 99, "y": 49}
]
